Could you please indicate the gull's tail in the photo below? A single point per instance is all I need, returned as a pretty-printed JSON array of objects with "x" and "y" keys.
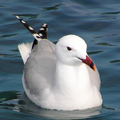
[{"x": 25, "y": 49}]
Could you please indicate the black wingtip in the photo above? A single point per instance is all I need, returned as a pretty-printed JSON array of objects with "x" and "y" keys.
[
  {"x": 42, "y": 32},
  {"x": 28, "y": 27}
]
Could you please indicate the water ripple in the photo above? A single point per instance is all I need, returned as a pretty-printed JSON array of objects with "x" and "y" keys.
[
  {"x": 105, "y": 44},
  {"x": 55, "y": 7}
]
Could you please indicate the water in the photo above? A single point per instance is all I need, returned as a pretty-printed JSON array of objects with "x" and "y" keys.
[{"x": 97, "y": 22}]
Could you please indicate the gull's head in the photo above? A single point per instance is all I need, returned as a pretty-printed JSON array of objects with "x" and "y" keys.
[{"x": 72, "y": 50}]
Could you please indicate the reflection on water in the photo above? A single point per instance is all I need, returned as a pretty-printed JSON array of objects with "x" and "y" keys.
[
  {"x": 9, "y": 100},
  {"x": 12, "y": 100},
  {"x": 8, "y": 95}
]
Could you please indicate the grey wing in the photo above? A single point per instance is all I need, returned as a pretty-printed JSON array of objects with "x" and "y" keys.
[{"x": 40, "y": 68}]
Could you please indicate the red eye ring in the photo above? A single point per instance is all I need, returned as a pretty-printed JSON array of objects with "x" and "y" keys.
[{"x": 69, "y": 48}]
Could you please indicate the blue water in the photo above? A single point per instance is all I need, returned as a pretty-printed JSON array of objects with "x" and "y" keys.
[{"x": 97, "y": 22}]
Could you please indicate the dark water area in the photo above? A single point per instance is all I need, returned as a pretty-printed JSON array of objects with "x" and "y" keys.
[{"x": 97, "y": 22}]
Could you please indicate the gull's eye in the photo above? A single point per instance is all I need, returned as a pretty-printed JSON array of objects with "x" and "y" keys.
[{"x": 69, "y": 48}]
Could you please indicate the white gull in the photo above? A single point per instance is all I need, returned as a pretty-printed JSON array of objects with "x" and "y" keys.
[{"x": 61, "y": 76}]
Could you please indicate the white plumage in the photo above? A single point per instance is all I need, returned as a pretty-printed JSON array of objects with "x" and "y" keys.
[{"x": 60, "y": 76}]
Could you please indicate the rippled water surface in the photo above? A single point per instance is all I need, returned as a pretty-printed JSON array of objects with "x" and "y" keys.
[{"x": 97, "y": 22}]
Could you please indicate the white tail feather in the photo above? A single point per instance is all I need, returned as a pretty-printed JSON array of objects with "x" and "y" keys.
[{"x": 25, "y": 50}]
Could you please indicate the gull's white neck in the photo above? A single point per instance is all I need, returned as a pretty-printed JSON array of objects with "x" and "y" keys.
[{"x": 72, "y": 78}]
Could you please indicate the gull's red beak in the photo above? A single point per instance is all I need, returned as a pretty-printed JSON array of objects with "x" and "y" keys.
[{"x": 89, "y": 62}]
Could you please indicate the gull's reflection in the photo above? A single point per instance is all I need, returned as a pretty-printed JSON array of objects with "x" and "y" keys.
[{"x": 25, "y": 105}]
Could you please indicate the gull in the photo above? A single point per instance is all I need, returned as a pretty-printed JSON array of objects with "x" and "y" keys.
[{"x": 59, "y": 76}]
